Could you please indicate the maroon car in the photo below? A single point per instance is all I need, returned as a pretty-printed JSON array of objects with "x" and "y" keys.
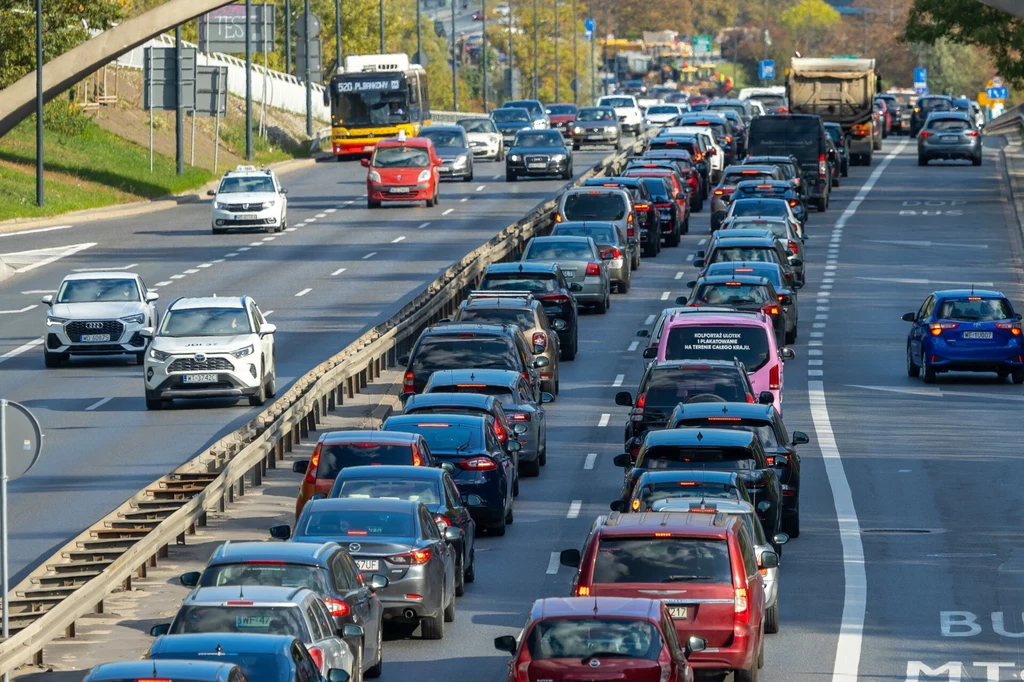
[
  {"x": 562, "y": 116},
  {"x": 609, "y": 638}
]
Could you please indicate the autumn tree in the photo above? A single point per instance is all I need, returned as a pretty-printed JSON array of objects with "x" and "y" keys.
[{"x": 810, "y": 22}]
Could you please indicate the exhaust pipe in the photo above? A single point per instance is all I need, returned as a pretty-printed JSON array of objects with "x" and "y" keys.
[{"x": 409, "y": 613}]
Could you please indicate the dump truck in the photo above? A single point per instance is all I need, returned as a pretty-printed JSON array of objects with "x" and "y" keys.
[{"x": 839, "y": 91}]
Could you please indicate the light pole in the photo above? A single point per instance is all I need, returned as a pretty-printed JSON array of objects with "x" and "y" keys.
[
  {"x": 248, "y": 77},
  {"x": 455, "y": 72},
  {"x": 536, "y": 51},
  {"x": 337, "y": 35},
  {"x": 557, "y": 8},
  {"x": 510, "y": 60},
  {"x": 381, "y": 12},
  {"x": 40, "y": 197},
  {"x": 575, "y": 58},
  {"x": 483, "y": 49},
  {"x": 307, "y": 70},
  {"x": 288, "y": 37},
  {"x": 419, "y": 32},
  {"x": 593, "y": 67}
]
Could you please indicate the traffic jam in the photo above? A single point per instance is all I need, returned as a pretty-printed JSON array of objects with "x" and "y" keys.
[{"x": 681, "y": 578}]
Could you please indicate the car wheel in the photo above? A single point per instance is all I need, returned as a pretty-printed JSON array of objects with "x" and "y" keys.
[
  {"x": 432, "y": 627},
  {"x": 976, "y": 161},
  {"x": 140, "y": 357},
  {"x": 154, "y": 403},
  {"x": 791, "y": 522},
  {"x": 460, "y": 589},
  {"x": 672, "y": 240},
  {"x": 272, "y": 386},
  {"x": 746, "y": 675},
  {"x": 510, "y": 176},
  {"x": 542, "y": 459},
  {"x": 845, "y": 170},
  {"x": 650, "y": 250},
  {"x": 261, "y": 396},
  {"x": 376, "y": 669},
  {"x": 913, "y": 370},
  {"x": 822, "y": 204},
  {"x": 498, "y": 529},
  {"x": 623, "y": 286},
  {"x": 791, "y": 336},
  {"x": 602, "y": 307},
  {"x": 468, "y": 178},
  {"x": 515, "y": 486},
  {"x": 921, "y": 161},
  {"x": 771, "y": 619},
  {"x": 569, "y": 352},
  {"x": 1018, "y": 375},
  {"x": 510, "y": 516},
  {"x": 575, "y": 147},
  {"x": 372, "y": 204},
  {"x": 471, "y": 571},
  {"x": 835, "y": 180},
  {"x": 568, "y": 174},
  {"x": 929, "y": 372},
  {"x": 529, "y": 469},
  {"x": 52, "y": 360}
]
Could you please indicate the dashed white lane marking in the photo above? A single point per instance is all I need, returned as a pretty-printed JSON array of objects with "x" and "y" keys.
[
  {"x": 817, "y": 335},
  {"x": 821, "y": 316},
  {"x": 702, "y": 242},
  {"x": 588, "y": 463},
  {"x": 689, "y": 258},
  {"x": 480, "y": 188},
  {"x": 290, "y": 229},
  {"x": 20, "y": 349},
  {"x": 499, "y": 176},
  {"x": 370, "y": 255},
  {"x": 450, "y": 210},
  {"x": 650, "y": 319},
  {"x": 269, "y": 239},
  {"x": 205, "y": 265},
  {"x": 309, "y": 220},
  {"x": 41, "y": 229},
  {"x": 350, "y": 202},
  {"x": 268, "y": 313},
  {"x": 822, "y": 308},
  {"x": 815, "y": 363},
  {"x": 330, "y": 210},
  {"x": 22, "y": 310},
  {"x": 255, "y": 244},
  {"x": 190, "y": 271},
  {"x": 815, "y": 373},
  {"x": 321, "y": 215},
  {"x": 633, "y": 346},
  {"x": 665, "y": 295},
  {"x": 815, "y": 342},
  {"x": 423, "y": 225},
  {"x": 304, "y": 292},
  {"x": 165, "y": 283},
  {"x": 230, "y": 255},
  {"x": 605, "y": 418},
  {"x": 463, "y": 200},
  {"x": 553, "y": 563},
  {"x": 337, "y": 272},
  {"x": 99, "y": 403},
  {"x": 217, "y": 260},
  {"x": 574, "y": 509},
  {"x": 619, "y": 378},
  {"x": 177, "y": 276},
  {"x": 397, "y": 239},
  {"x": 819, "y": 325},
  {"x": 830, "y": 267},
  {"x": 679, "y": 275},
  {"x": 815, "y": 351},
  {"x": 243, "y": 249}
]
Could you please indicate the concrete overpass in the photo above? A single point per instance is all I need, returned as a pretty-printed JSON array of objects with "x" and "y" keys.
[
  {"x": 18, "y": 101},
  {"x": 1014, "y": 7}
]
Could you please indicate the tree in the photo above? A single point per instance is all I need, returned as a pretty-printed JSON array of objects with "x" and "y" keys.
[
  {"x": 956, "y": 69},
  {"x": 811, "y": 22}
]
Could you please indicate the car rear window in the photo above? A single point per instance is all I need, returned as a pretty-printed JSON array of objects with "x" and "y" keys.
[
  {"x": 784, "y": 135},
  {"x": 748, "y": 344},
  {"x": 667, "y": 387},
  {"x": 650, "y": 493},
  {"x": 257, "y": 667},
  {"x": 616, "y": 102},
  {"x": 686, "y": 457},
  {"x": 351, "y": 523},
  {"x": 736, "y": 108},
  {"x": 756, "y": 207},
  {"x": 934, "y": 104},
  {"x": 730, "y": 254},
  {"x": 534, "y": 282},
  {"x": 779, "y": 229},
  {"x": 549, "y": 249},
  {"x": 336, "y": 456},
  {"x": 443, "y": 438},
  {"x": 585, "y": 637},
  {"x": 735, "y": 178},
  {"x": 732, "y": 293},
  {"x": 952, "y": 124},
  {"x": 600, "y": 235},
  {"x": 522, "y": 318},
  {"x": 256, "y": 620},
  {"x": 771, "y": 102},
  {"x": 273, "y": 573},
  {"x": 460, "y": 351},
  {"x": 658, "y": 189},
  {"x": 975, "y": 309},
  {"x": 502, "y": 393},
  {"x": 661, "y": 560},
  {"x": 594, "y": 206},
  {"x": 764, "y": 431},
  {"x": 414, "y": 490}
]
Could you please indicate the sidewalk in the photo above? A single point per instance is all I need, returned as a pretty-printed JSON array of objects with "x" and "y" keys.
[{"x": 122, "y": 631}]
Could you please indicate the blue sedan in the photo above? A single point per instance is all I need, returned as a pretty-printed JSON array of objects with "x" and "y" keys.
[{"x": 967, "y": 331}]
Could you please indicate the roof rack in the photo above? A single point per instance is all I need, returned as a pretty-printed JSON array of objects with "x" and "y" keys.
[{"x": 501, "y": 294}]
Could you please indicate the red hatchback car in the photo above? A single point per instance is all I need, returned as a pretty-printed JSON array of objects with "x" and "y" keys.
[
  {"x": 632, "y": 640},
  {"x": 701, "y": 565},
  {"x": 402, "y": 169}
]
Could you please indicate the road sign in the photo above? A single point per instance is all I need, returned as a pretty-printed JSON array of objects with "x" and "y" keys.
[
  {"x": 314, "y": 26},
  {"x": 701, "y": 45},
  {"x": 997, "y": 82},
  {"x": 23, "y": 440},
  {"x": 997, "y": 93},
  {"x": 421, "y": 58},
  {"x": 766, "y": 70},
  {"x": 160, "y": 78},
  {"x": 589, "y": 24},
  {"x": 223, "y": 30},
  {"x": 211, "y": 91},
  {"x": 920, "y": 77},
  {"x": 315, "y": 62}
]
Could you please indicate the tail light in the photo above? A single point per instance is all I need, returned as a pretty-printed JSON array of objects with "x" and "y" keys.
[
  {"x": 593, "y": 269},
  {"x": 615, "y": 253},
  {"x": 783, "y": 110},
  {"x": 698, "y": 156},
  {"x": 478, "y": 464},
  {"x": 781, "y": 298},
  {"x": 499, "y": 431},
  {"x": 417, "y": 458},
  {"x": 526, "y": 376},
  {"x": 793, "y": 247},
  {"x": 554, "y": 298},
  {"x": 317, "y": 656},
  {"x": 741, "y": 605},
  {"x": 642, "y": 207},
  {"x": 637, "y": 413},
  {"x": 720, "y": 192},
  {"x": 937, "y": 328},
  {"x": 338, "y": 608},
  {"x": 629, "y": 226},
  {"x": 582, "y": 591},
  {"x": 972, "y": 133},
  {"x": 314, "y": 462},
  {"x": 520, "y": 417},
  {"x": 861, "y": 129},
  {"x": 775, "y": 378},
  {"x": 793, "y": 203},
  {"x": 540, "y": 339},
  {"x": 558, "y": 217},
  {"x": 441, "y": 522},
  {"x": 822, "y": 166},
  {"x": 417, "y": 557},
  {"x": 1014, "y": 327},
  {"x": 408, "y": 383},
  {"x": 750, "y": 399},
  {"x": 692, "y": 182},
  {"x": 923, "y": 133},
  {"x": 728, "y": 139},
  {"x": 771, "y": 309},
  {"x": 665, "y": 662}
]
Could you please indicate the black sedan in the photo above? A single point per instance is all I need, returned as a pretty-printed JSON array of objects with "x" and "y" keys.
[{"x": 538, "y": 153}]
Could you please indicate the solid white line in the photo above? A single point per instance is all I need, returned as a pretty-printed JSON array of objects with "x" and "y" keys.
[
  {"x": 304, "y": 292},
  {"x": 619, "y": 378},
  {"x": 337, "y": 272},
  {"x": 605, "y": 418},
  {"x": 37, "y": 291},
  {"x": 679, "y": 275},
  {"x": 448, "y": 211},
  {"x": 98, "y": 403},
  {"x": 574, "y": 509},
  {"x": 480, "y": 188},
  {"x": 111, "y": 267},
  {"x": 68, "y": 251},
  {"x": 665, "y": 295},
  {"x": 20, "y": 349},
  {"x": 397, "y": 239},
  {"x": 190, "y": 271},
  {"x": 650, "y": 319},
  {"x": 588, "y": 463},
  {"x": 23, "y": 310},
  {"x": 423, "y": 225},
  {"x": 633, "y": 346},
  {"x": 370, "y": 255},
  {"x": 165, "y": 283},
  {"x": 42, "y": 229},
  {"x": 553, "y": 563}
]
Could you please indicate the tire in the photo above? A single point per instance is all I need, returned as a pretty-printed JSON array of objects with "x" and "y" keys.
[
  {"x": 695, "y": 206},
  {"x": 272, "y": 386},
  {"x": 746, "y": 675},
  {"x": 844, "y": 170},
  {"x": 602, "y": 307},
  {"x": 468, "y": 178},
  {"x": 498, "y": 530},
  {"x": 261, "y": 397},
  {"x": 432, "y": 627},
  {"x": 976, "y": 161},
  {"x": 529, "y": 469},
  {"x": 913, "y": 371},
  {"x": 1018, "y": 375},
  {"x": 52, "y": 360},
  {"x": 510, "y": 176},
  {"x": 372, "y": 204},
  {"x": 154, "y": 404},
  {"x": 449, "y": 611},
  {"x": 217, "y": 230},
  {"x": 140, "y": 357},
  {"x": 921, "y": 161},
  {"x": 867, "y": 159},
  {"x": 470, "y": 575},
  {"x": 376, "y": 669},
  {"x": 569, "y": 353},
  {"x": 543, "y": 459},
  {"x": 672, "y": 240},
  {"x": 460, "y": 579},
  {"x": 650, "y": 250},
  {"x": 835, "y": 180},
  {"x": 568, "y": 174},
  {"x": 623, "y": 286},
  {"x": 822, "y": 204},
  {"x": 575, "y": 147},
  {"x": 771, "y": 619},
  {"x": 929, "y": 372},
  {"x": 510, "y": 517},
  {"x": 790, "y": 336},
  {"x": 791, "y": 522},
  {"x": 515, "y": 490}
]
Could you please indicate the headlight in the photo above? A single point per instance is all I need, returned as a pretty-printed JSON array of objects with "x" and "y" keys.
[
  {"x": 459, "y": 161},
  {"x": 577, "y": 130},
  {"x": 374, "y": 176},
  {"x": 158, "y": 354},
  {"x": 220, "y": 205},
  {"x": 514, "y": 158},
  {"x": 242, "y": 352},
  {"x": 558, "y": 157},
  {"x": 55, "y": 321},
  {"x": 268, "y": 204},
  {"x": 610, "y": 129},
  {"x": 424, "y": 176},
  {"x": 134, "y": 319}
]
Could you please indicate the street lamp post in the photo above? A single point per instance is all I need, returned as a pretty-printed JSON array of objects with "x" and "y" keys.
[
  {"x": 511, "y": 59},
  {"x": 419, "y": 32},
  {"x": 557, "y": 8},
  {"x": 575, "y": 58},
  {"x": 536, "y": 51},
  {"x": 593, "y": 67},
  {"x": 337, "y": 34},
  {"x": 40, "y": 197},
  {"x": 455, "y": 71},
  {"x": 381, "y": 12},
  {"x": 483, "y": 50}
]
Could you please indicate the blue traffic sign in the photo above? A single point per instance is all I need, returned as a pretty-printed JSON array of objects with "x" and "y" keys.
[
  {"x": 766, "y": 70},
  {"x": 589, "y": 24},
  {"x": 996, "y": 93},
  {"x": 920, "y": 77}
]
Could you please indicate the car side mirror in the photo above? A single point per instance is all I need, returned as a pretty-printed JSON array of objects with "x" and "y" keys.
[
  {"x": 541, "y": 362},
  {"x": 558, "y": 325},
  {"x": 284, "y": 191},
  {"x": 281, "y": 532},
  {"x": 683, "y": 300},
  {"x": 699, "y": 254},
  {"x": 788, "y": 353},
  {"x": 351, "y": 631},
  {"x": 576, "y": 287},
  {"x": 624, "y": 399},
  {"x": 152, "y": 296},
  {"x": 190, "y": 579},
  {"x": 268, "y": 329},
  {"x": 1018, "y": 316},
  {"x": 545, "y": 397},
  {"x": 765, "y": 398},
  {"x": 622, "y": 461},
  {"x": 520, "y": 429},
  {"x": 617, "y": 505},
  {"x": 631, "y": 241},
  {"x": 452, "y": 533},
  {"x": 158, "y": 630},
  {"x": 768, "y": 560},
  {"x": 650, "y": 353},
  {"x": 763, "y": 506},
  {"x": 318, "y": 496},
  {"x": 570, "y": 558},
  {"x": 643, "y": 333},
  {"x": 786, "y": 300},
  {"x": 909, "y": 317},
  {"x": 47, "y": 300},
  {"x": 378, "y": 582},
  {"x": 211, "y": 193},
  {"x": 795, "y": 261},
  {"x": 781, "y": 462},
  {"x": 800, "y": 438},
  {"x": 514, "y": 446},
  {"x": 692, "y": 283},
  {"x": 698, "y": 262},
  {"x": 472, "y": 500},
  {"x": 780, "y": 539},
  {"x": 506, "y": 643},
  {"x": 146, "y": 332},
  {"x": 696, "y": 645},
  {"x": 300, "y": 466},
  {"x": 402, "y": 360},
  {"x": 365, "y": 163},
  {"x": 449, "y": 467},
  {"x": 337, "y": 675}
]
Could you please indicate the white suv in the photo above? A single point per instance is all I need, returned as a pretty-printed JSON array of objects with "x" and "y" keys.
[
  {"x": 627, "y": 110},
  {"x": 248, "y": 198},
  {"x": 98, "y": 313},
  {"x": 211, "y": 348}
]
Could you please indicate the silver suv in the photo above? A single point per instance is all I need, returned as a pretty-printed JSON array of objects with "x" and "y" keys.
[{"x": 98, "y": 313}]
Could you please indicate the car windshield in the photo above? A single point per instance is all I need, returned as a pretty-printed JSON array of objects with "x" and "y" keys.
[
  {"x": 206, "y": 322},
  {"x": 539, "y": 139},
  {"x": 729, "y": 254},
  {"x": 336, "y": 456},
  {"x": 950, "y": 124},
  {"x": 732, "y": 294},
  {"x": 659, "y": 190},
  {"x": 538, "y": 283},
  {"x": 596, "y": 115},
  {"x": 237, "y": 184},
  {"x": 561, "y": 109},
  {"x": 98, "y": 291},
  {"x": 617, "y": 102},
  {"x": 552, "y": 250},
  {"x": 600, "y": 235},
  {"x": 413, "y": 490},
  {"x": 533, "y": 108},
  {"x": 257, "y": 667},
  {"x": 770, "y": 102},
  {"x": 661, "y": 560},
  {"x": 934, "y": 104},
  {"x": 748, "y": 344},
  {"x": 975, "y": 309},
  {"x": 510, "y": 115},
  {"x": 734, "y": 178},
  {"x": 582, "y": 638},
  {"x": 522, "y": 318},
  {"x": 401, "y": 157},
  {"x": 595, "y": 205},
  {"x": 441, "y": 351},
  {"x": 354, "y": 523},
  {"x": 477, "y": 125},
  {"x": 650, "y": 493},
  {"x": 256, "y": 619},
  {"x": 777, "y": 227},
  {"x": 663, "y": 109},
  {"x": 688, "y": 457},
  {"x": 502, "y": 393},
  {"x": 756, "y": 207},
  {"x": 835, "y": 132},
  {"x": 667, "y": 387},
  {"x": 268, "y": 573},
  {"x": 445, "y": 138},
  {"x": 443, "y": 439}
]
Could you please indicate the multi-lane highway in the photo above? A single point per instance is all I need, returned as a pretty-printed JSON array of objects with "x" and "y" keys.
[{"x": 337, "y": 271}]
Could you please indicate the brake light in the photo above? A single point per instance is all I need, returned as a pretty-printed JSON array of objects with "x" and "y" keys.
[
  {"x": 924, "y": 133},
  {"x": 793, "y": 202},
  {"x": 554, "y": 298},
  {"x": 720, "y": 192},
  {"x": 822, "y": 166},
  {"x": 615, "y": 253},
  {"x": 478, "y": 464},
  {"x": 1014, "y": 327},
  {"x": 740, "y": 604},
  {"x": 558, "y": 216},
  {"x": 775, "y": 378},
  {"x": 417, "y": 458},
  {"x": 314, "y": 462},
  {"x": 239, "y": 602},
  {"x": 771, "y": 309},
  {"x": 750, "y": 399},
  {"x": 642, "y": 207},
  {"x": 337, "y": 607},
  {"x": 441, "y": 522},
  {"x": 540, "y": 339},
  {"x": 416, "y": 557},
  {"x": 937, "y": 328},
  {"x": 593, "y": 269},
  {"x": 582, "y": 591},
  {"x": 499, "y": 431},
  {"x": 972, "y": 133},
  {"x": 770, "y": 459},
  {"x": 520, "y": 417},
  {"x": 317, "y": 656},
  {"x": 407, "y": 384},
  {"x": 793, "y": 247}
]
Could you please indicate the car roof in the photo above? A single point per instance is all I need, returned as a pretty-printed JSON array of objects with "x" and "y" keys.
[
  {"x": 247, "y": 593},
  {"x": 408, "y": 142},
  {"x": 705, "y": 476},
  {"x": 610, "y": 182},
  {"x": 290, "y": 552},
  {"x": 237, "y": 642},
  {"x": 984, "y": 293},
  {"x": 163, "y": 669},
  {"x": 770, "y": 158},
  {"x": 701, "y": 437},
  {"x": 689, "y": 506},
  {"x": 444, "y": 128},
  {"x": 644, "y": 523},
  {"x": 742, "y": 233},
  {"x": 488, "y": 377},
  {"x": 515, "y": 108},
  {"x": 479, "y": 400},
  {"x": 247, "y": 171},
  {"x": 449, "y": 328},
  {"x": 743, "y": 279},
  {"x": 367, "y": 436},
  {"x": 524, "y": 267},
  {"x": 712, "y": 410},
  {"x": 602, "y": 224},
  {"x": 571, "y": 238},
  {"x": 774, "y": 182},
  {"x": 733, "y": 318},
  {"x": 603, "y": 607},
  {"x": 683, "y": 364},
  {"x": 962, "y": 115},
  {"x": 748, "y": 167},
  {"x": 762, "y": 242},
  {"x": 468, "y": 420},
  {"x": 508, "y": 302},
  {"x": 388, "y": 470},
  {"x": 104, "y": 274},
  {"x": 362, "y": 504},
  {"x": 209, "y": 302}
]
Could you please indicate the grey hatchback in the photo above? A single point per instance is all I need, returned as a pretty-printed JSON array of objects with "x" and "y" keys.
[
  {"x": 949, "y": 135},
  {"x": 452, "y": 145},
  {"x": 615, "y": 247},
  {"x": 580, "y": 262}
]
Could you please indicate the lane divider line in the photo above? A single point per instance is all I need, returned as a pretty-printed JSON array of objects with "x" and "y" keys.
[
  {"x": 588, "y": 463},
  {"x": 321, "y": 215},
  {"x": 370, "y": 255},
  {"x": 290, "y": 229},
  {"x": 41, "y": 229},
  {"x": 99, "y": 403},
  {"x": 165, "y": 283},
  {"x": 423, "y": 225},
  {"x": 650, "y": 320},
  {"x": 574, "y": 509},
  {"x": 679, "y": 275},
  {"x": 205, "y": 265},
  {"x": 304, "y": 292},
  {"x": 230, "y": 255},
  {"x": 217, "y": 260},
  {"x": 619, "y": 378},
  {"x": 177, "y": 276},
  {"x": 397, "y": 239},
  {"x": 21, "y": 349},
  {"x": 243, "y": 249},
  {"x": 480, "y": 188},
  {"x": 605, "y": 418},
  {"x": 23, "y": 310},
  {"x": 689, "y": 259},
  {"x": 337, "y": 272},
  {"x": 633, "y": 346},
  {"x": 702, "y": 242},
  {"x": 190, "y": 271},
  {"x": 330, "y": 210},
  {"x": 553, "y": 563},
  {"x": 450, "y": 210},
  {"x": 815, "y": 373},
  {"x": 268, "y": 313},
  {"x": 665, "y": 295}
]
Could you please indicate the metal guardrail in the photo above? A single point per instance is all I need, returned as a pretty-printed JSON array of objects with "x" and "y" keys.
[
  {"x": 78, "y": 577},
  {"x": 1011, "y": 121}
]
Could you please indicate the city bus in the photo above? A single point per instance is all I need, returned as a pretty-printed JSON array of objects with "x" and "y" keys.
[{"x": 374, "y": 97}]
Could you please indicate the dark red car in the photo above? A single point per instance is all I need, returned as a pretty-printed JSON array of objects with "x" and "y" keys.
[
  {"x": 632, "y": 640},
  {"x": 703, "y": 566},
  {"x": 562, "y": 116}
]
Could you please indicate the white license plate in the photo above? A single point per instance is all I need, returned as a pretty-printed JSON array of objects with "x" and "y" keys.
[
  {"x": 569, "y": 273},
  {"x": 245, "y": 216},
  {"x": 949, "y": 138},
  {"x": 446, "y": 169},
  {"x": 539, "y": 166},
  {"x": 595, "y": 137},
  {"x": 399, "y": 190},
  {"x": 103, "y": 338},
  {"x": 368, "y": 148},
  {"x": 367, "y": 564},
  {"x": 200, "y": 379},
  {"x": 678, "y": 612},
  {"x": 977, "y": 335}
]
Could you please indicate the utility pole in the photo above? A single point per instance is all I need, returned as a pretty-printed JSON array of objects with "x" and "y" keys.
[
  {"x": 288, "y": 37},
  {"x": 381, "y": 13},
  {"x": 593, "y": 61},
  {"x": 575, "y": 57},
  {"x": 865, "y": 53},
  {"x": 248, "y": 74},
  {"x": 179, "y": 118},
  {"x": 483, "y": 49},
  {"x": 511, "y": 59},
  {"x": 557, "y": 9},
  {"x": 455, "y": 62},
  {"x": 308, "y": 68},
  {"x": 536, "y": 51},
  {"x": 337, "y": 36},
  {"x": 40, "y": 197},
  {"x": 419, "y": 30},
  {"x": 764, "y": 29}
]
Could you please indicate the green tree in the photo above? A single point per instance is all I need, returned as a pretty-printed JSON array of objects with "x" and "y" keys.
[
  {"x": 811, "y": 23},
  {"x": 955, "y": 69}
]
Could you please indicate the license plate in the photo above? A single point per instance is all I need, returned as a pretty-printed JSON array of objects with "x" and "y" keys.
[
  {"x": 102, "y": 338},
  {"x": 245, "y": 216},
  {"x": 399, "y": 190},
  {"x": 200, "y": 379},
  {"x": 446, "y": 169},
  {"x": 678, "y": 612},
  {"x": 595, "y": 137},
  {"x": 368, "y": 148},
  {"x": 977, "y": 335},
  {"x": 539, "y": 166},
  {"x": 367, "y": 564},
  {"x": 569, "y": 273},
  {"x": 948, "y": 138}
]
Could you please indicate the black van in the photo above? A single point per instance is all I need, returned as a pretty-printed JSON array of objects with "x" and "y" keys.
[{"x": 803, "y": 136}]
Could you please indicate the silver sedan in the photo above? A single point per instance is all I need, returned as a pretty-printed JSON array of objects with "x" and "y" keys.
[
  {"x": 949, "y": 135},
  {"x": 580, "y": 262},
  {"x": 615, "y": 248}
]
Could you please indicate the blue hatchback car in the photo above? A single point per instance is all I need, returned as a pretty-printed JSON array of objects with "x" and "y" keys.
[
  {"x": 966, "y": 331},
  {"x": 467, "y": 446}
]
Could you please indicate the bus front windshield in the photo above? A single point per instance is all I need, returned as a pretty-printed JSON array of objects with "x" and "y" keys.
[{"x": 377, "y": 101}]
